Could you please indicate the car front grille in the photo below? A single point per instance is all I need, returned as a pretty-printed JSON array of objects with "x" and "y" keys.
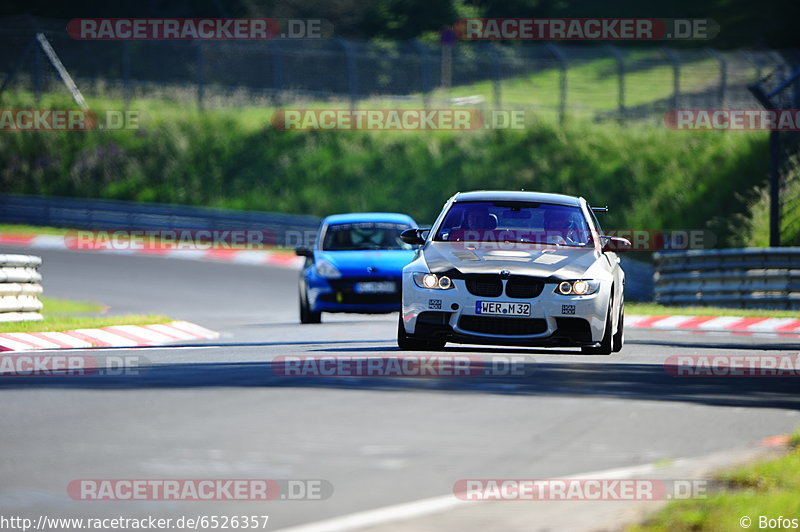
[
  {"x": 491, "y": 285},
  {"x": 360, "y": 299},
  {"x": 484, "y": 285},
  {"x": 521, "y": 287},
  {"x": 344, "y": 292},
  {"x": 502, "y": 326}
]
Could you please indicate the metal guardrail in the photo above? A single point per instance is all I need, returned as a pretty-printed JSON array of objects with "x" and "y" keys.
[
  {"x": 743, "y": 278},
  {"x": 80, "y": 213},
  {"x": 20, "y": 288}
]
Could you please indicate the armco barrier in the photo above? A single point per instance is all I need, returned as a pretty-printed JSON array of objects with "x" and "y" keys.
[
  {"x": 20, "y": 288},
  {"x": 80, "y": 213},
  {"x": 747, "y": 277}
]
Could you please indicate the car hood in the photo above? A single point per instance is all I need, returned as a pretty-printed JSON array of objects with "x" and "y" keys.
[
  {"x": 557, "y": 263},
  {"x": 387, "y": 262}
]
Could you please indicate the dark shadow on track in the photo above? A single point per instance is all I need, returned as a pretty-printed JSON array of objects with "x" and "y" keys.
[
  {"x": 790, "y": 345},
  {"x": 499, "y": 350},
  {"x": 312, "y": 327},
  {"x": 613, "y": 380}
]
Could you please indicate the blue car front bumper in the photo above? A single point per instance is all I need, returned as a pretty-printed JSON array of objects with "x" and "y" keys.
[{"x": 341, "y": 295}]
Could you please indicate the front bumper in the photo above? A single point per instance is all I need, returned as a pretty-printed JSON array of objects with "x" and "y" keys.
[
  {"x": 555, "y": 320},
  {"x": 340, "y": 295}
]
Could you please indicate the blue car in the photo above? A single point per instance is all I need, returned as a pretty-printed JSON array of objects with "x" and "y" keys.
[{"x": 355, "y": 265}]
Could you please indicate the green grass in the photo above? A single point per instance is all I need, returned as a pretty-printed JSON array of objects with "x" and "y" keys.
[
  {"x": 65, "y": 314},
  {"x": 21, "y": 229},
  {"x": 53, "y": 306},
  {"x": 232, "y": 158},
  {"x": 592, "y": 86},
  {"x": 653, "y": 309},
  {"x": 767, "y": 488},
  {"x": 651, "y": 178}
]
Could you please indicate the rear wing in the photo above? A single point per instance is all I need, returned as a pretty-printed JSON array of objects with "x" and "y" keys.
[{"x": 600, "y": 209}]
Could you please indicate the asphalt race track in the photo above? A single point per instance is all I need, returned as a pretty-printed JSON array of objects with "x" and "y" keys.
[{"x": 219, "y": 410}]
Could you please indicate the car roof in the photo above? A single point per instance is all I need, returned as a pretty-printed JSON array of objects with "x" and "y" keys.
[
  {"x": 354, "y": 217},
  {"x": 516, "y": 195}
]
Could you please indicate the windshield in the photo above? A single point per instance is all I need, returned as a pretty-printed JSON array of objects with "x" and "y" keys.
[
  {"x": 364, "y": 235},
  {"x": 508, "y": 221}
]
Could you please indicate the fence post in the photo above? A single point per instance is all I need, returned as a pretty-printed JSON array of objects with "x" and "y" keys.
[
  {"x": 621, "y": 77},
  {"x": 352, "y": 71},
  {"x": 37, "y": 71},
  {"x": 563, "y": 65},
  {"x": 425, "y": 74},
  {"x": 447, "y": 66},
  {"x": 723, "y": 74},
  {"x": 676, "y": 76},
  {"x": 276, "y": 55},
  {"x": 200, "y": 74},
  {"x": 126, "y": 72},
  {"x": 497, "y": 72},
  {"x": 774, "y": 188}
]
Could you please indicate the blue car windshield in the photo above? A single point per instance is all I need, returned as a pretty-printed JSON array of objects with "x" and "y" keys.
[
  {"x": 364, "y": 235},
  {"x": 509, "y": 221}
]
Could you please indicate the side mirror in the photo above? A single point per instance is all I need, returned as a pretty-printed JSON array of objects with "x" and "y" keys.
[
  {"x": 616, "y": 243},
  {"x": 303, "y": 252},
  {"x": 413, "y": 236}
]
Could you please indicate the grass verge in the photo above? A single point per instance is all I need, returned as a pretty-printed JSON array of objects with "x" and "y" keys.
[
  {"x": 766, "y": 489},
  {"x": 65, "y": 315},
  {"x": 651, "y": 178},
  {"x": 653, "y": 309},
  {"x": 19, "y": 229}
]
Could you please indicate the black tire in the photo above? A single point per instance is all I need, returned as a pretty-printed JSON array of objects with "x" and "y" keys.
[
  {"x": 619, "y": 337},
  {"x": 407, "y": 342},
  {"x": 306, "y": 316},
  {"x": 605, "y": 347}
]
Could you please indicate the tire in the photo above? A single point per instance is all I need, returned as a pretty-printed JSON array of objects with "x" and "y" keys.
[
  {"x": 606, "y": 344},
  {"x": 407, "y": 342},
  {"x": 306, "y": 316},
  {"x": 619, "y": 337}
]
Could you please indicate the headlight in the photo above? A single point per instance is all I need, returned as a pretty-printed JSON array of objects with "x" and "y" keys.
[
  {"x": 580, "y": 287},
  {"x": 432, "y": 281},
  {"x": 327, "y": 270}
]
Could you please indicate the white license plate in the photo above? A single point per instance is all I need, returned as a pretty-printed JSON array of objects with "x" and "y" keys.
[
  {"x": 502, "y": 308},
  {"x": 376, "y": 287}
]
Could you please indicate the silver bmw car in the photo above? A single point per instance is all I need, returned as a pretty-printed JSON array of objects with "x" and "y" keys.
[{"x": 514, "y": 268}]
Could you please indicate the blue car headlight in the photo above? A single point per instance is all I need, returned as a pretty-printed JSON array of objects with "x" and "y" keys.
[
  {"x": 581, "y": 287},
  {"x": 327, "y": 270},
  {"x": 432, "y": 281}
]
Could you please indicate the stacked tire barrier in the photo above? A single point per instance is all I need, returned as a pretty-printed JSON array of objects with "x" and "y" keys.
[
  {"x": 738, "y": 278},
  {"x": 20, "y": 287}
]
